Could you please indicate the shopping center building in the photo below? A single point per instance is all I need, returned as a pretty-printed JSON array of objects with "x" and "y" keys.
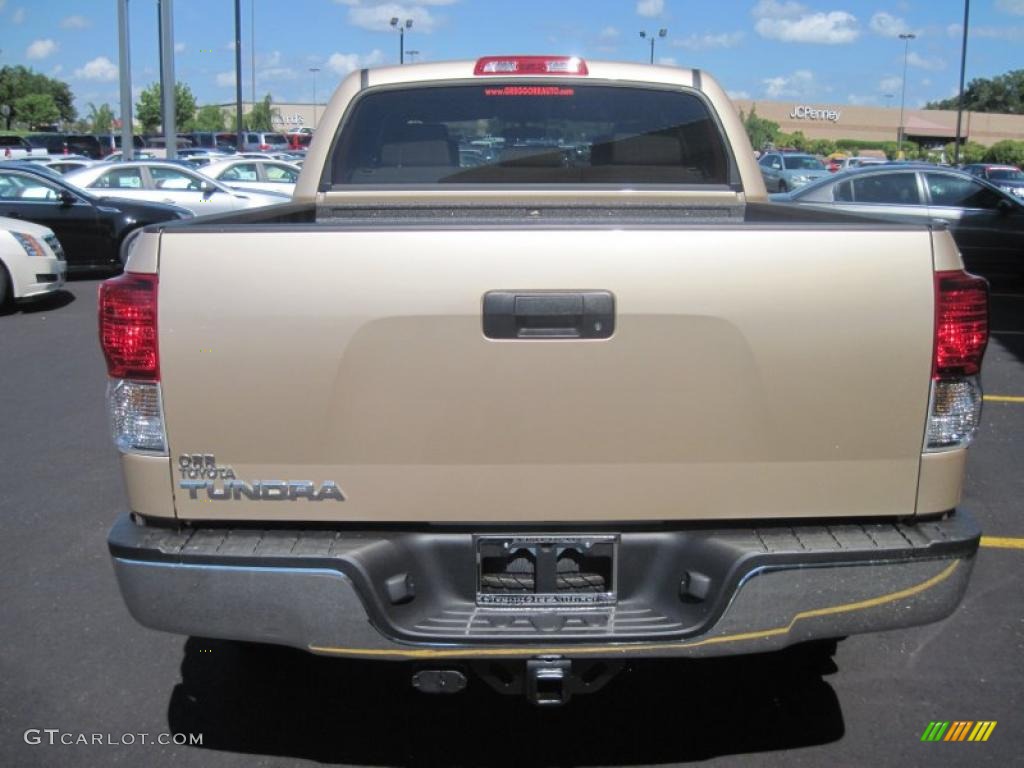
[
  {"x": 927, "y": 127},
  {"x": 816, "y": 120}
]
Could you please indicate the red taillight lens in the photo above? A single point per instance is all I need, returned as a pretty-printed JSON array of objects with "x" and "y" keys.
[
  {"x": 530, "y": 65},
  {"x": 128, "y": 336},
  {"x": 961, "y": 324},
  {"x": 264, "y": 147}
]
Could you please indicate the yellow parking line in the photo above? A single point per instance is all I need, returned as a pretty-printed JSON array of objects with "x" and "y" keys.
[
  {"x": 1002, "y": 542},
  {"x": 1003, "y": 399}
]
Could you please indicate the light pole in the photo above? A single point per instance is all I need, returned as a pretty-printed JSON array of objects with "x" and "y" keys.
[
  {"x": 401, "y": 26},
  {"x": 906, "y": 37},
  {"x": 650, "y": 35},
  {"x": 960, "y": 96},
  {"x": 314, "y": 70},
  {"x": 412, "y": 54}
]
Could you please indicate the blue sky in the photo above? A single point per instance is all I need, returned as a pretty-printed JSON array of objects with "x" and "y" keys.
[{"x": 819, "y": 51}]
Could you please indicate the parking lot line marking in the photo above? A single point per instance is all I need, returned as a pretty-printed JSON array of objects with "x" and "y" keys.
[
  {"x": 1003, "y": 399},
  {"x": 1002, "y": 542}
]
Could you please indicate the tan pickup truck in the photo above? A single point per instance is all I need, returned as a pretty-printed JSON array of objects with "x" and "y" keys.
[{"x": 531, "y": 374}]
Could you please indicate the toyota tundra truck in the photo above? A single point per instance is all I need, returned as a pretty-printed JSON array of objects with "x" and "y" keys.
[{"x": 531, "y": 380}]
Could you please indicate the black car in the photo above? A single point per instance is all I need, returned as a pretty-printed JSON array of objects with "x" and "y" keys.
[
  {"x": 90, "y": 229},
  {"x": 111, "y": 142},
  {"x": 986, "y": 222},
  {"x": 67, "y": 144}
]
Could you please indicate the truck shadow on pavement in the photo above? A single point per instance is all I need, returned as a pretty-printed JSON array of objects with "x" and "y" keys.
[{"x": 276, "y": 701}]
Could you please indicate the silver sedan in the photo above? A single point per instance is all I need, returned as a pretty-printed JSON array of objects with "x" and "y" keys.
[{"x": 165, "y": 182}]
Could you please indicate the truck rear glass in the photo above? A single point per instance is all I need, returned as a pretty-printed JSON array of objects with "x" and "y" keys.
[{"x": 530, "y": 133}]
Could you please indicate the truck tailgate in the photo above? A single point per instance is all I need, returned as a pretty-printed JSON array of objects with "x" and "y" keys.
[{"x": 753, "y": 372}]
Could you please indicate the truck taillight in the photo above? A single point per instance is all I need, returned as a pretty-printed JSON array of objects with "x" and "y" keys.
[
  {"x": 127, "y": 307},
  {"x": 961, "y": 335},
  {"x": 128, "y": 337}
]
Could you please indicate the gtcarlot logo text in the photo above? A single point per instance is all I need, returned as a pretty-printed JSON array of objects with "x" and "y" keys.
[{"x": 55, "y": 736}]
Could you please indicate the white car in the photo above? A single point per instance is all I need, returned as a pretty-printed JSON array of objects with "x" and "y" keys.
[
  {"x": 246, "y": 173},
  {"x": 31, "y": 261},
  {"x": 164, "y": 182},
  {"x": 138, "y": 154}
]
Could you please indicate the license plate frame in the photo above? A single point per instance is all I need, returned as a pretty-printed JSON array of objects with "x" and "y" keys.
[{"x": 598, "y": 551}]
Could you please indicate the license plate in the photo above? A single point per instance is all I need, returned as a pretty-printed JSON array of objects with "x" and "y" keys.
[{"x": 546, "y": 570}]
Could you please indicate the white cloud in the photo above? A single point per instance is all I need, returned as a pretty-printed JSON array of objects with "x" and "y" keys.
[
  {"x": 100, "y": 68},
  {"x": 226, "y": 79},
  {"x": 40, "y": 49},
  {"x": 791, "y": 22},
  {"x": 18, "y": 16},
  {"x": 650, "y": 8},
  {"x": 667, "y": 61},
  {"x": 798, "y": 85},
  {"x": 376, "y": 17},
  {"x": 858, "y": 101},
  {"x": 887, "y": 25},
  {"x": 709, "y": 41},
  {"x": 734, "y": 95},
  {"x": 1015, "y": 7},
  {"x": 932, "y": 63},
  {"x": 3, "y": 4},
  {"x": 57, "y": 69},
  {"x": 343, "y": 63},
  {"x": 75, "y": 22},
  {"x": 609, "y": 33},
  {"x": 890, "y": 84},
  {"x": 179, "y": 47}
]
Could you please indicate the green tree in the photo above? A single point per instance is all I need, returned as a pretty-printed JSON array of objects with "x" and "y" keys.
[
  {"x": 148, "y": 110},
  {"x": 970, "y": 152},
  {"x": 1006, "y": 152},
  {"x": 261, "y": 116},
  {"x": 101, "y": 118},
  {"x": 209, "y": 118},
  {"x": 36, "y": 109},
  {"x": 19, "y": 81},
  {"x": 1004, "y": 93},
  {"x": 762, "y": 132}
]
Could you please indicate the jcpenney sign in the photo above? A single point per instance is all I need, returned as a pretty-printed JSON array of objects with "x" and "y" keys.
[{"x": 803, "y": 112}]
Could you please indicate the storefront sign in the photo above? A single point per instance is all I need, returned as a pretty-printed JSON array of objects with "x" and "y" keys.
[{"x": 803, "y": 112}]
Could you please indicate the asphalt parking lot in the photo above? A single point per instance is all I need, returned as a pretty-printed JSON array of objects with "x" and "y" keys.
[{"x": 72, "y": 659}]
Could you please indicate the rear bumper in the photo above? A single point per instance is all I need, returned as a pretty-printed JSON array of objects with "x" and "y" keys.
[{"x": 327, "y": 591}]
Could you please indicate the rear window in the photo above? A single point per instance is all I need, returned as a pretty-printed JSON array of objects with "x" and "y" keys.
[
  {"x": 501, "y": 133},
  {"x": 802, "y": 163},
  {"x": 274, "y": 138}
]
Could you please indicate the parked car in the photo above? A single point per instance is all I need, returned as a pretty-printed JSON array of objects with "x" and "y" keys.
[
  {"x": 139, "y": 154},
  {"x": 111, "y": 142},
  {"x": 31, "y": 261},
  {"x": 18, "y": 148},
  {"x": 67, "y": 144},
  {"x": 847, "y": 163},
  {"x": 1008, "y": 178},
  {"x": 197, "y": 157},
  {"x": 784, "y": 171},
  {"x": 67, "y": 163},
  {"x": 90, "y": 229},
  {"x": 986, "y": 222},
  {"x": 300, "y": 139},
  {"x": 264, "y": 141},
  {"x": 245, "y": 173},
  {"x": 164, "y": 182}
]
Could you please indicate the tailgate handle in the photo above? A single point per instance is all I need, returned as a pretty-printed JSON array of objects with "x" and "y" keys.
[{"x": 548, "y": 314}]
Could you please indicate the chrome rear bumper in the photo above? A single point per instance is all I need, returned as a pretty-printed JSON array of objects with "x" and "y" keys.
[{"x": 334, "y": 591}]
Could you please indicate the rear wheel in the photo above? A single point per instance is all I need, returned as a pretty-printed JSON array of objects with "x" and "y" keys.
[{"x": 782, "y": 187}]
